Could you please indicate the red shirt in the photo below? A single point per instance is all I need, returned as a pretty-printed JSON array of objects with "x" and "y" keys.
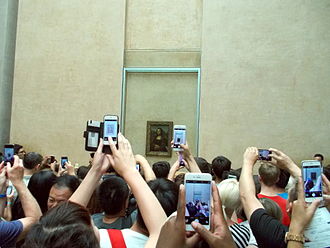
[{"x": 282, "y": 204}]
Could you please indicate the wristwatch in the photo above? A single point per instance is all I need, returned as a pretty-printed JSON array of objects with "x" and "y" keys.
[{"x": 294, "y": 237}]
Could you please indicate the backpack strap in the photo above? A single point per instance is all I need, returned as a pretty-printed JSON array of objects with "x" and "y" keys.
[{"x": 116, "y": 238}]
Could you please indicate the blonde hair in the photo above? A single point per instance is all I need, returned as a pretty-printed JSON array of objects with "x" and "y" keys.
[{"x": 229, "y": 194}]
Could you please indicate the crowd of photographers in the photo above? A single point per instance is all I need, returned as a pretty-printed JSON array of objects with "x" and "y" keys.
[{"x": 113, "y": 203}]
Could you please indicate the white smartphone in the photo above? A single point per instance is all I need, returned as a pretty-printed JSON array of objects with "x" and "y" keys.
[
  {"x": 198, "y": 199},
  {"x": 110, "y": 129},
  {"x": 312, "y": 176},
  {"x": 179, "y": 137}
]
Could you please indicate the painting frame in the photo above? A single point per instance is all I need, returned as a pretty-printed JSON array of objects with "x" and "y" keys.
[{"x": 158, "y": 143}]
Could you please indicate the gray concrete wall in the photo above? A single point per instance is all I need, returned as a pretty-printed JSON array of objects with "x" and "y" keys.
[{"x": 8, "y": 23}]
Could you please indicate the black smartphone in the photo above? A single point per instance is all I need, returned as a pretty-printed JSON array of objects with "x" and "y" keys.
[
  {"x": 8, "y": 153},
  {"x": 63, "y": 161},
  {"x": 263, "y": 154},
  {"x": 110, "y": 129},
  {"x": 92, "y": 135}
]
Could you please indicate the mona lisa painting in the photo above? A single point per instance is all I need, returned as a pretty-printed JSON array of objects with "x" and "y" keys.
[{"x": 159, "y": 136}]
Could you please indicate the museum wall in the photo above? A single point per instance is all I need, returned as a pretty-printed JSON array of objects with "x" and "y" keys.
[
  {"x": 69, "y": 59},
  {"x": 265, "y": 78},
  {"x": 264, "y": 72}
]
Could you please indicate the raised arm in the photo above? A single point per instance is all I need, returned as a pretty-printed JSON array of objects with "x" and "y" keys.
[
  {"x": 85, "y": 190},
  {"x": 147, "y": 170},
  {"x": 29, "y": 204},
  {"x": 189, "y": 158},
  {"x": 283, "y": 161},
  {"x": 122, "y": 160},
  {"x": 3, "y": 186},
  {"x": 246, "y": 184}
]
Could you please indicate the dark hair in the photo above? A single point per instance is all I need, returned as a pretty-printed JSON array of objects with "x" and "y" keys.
[
  {"x": 271, "y": 208},
  {"x": 17, "y": 147},
  {"x": 31, "y": 160},
  {"x": 219, "y": 165},
  {"x": 319, "y": 155},
  {"x": 326, "y": 171},
  {"x": 39, "y": 185},
  {"x": 113, "y": 194},
  {"x": 203, "y": 165},
  {"x": 283, "y": 179},
  {"x": 257, "y": 184},
  {"x": 67, "y": 181},
  {"x": 167, "y": 193},
  {"x": 161, "y": 169},
  {"x": 67, "y": 225},
  {"x": 82, "y": 172}
]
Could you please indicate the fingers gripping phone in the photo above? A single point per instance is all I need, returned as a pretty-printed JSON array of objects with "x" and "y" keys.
[
  {"x": 8, "y": 153},
  {"x": 263, "y": 154},
  {"x": 110, "y": 129},
  {"x": 179, "y": 137},
  {"x": 312, "y": 176},
  {"x": 198, "y": 199},
  {"x": 63, "y": 161},
  {"x": 92, "y": 135}
]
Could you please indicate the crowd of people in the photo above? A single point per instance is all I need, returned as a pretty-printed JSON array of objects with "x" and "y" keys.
[{"x": 112, "y": 202}]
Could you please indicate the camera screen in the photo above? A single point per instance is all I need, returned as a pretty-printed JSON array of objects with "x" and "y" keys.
[
  {"x": 312, "y": 181},
  {"x": 110, "y": 130},
  {"x": 63, "y": 161},
  {"x": 93, "y": 139},
  {"x": 264, "y": 154},
  {"x": 198, "y": 206},
  {"x": 9, "y": 154},
  {"x": 179, "y": 137}
]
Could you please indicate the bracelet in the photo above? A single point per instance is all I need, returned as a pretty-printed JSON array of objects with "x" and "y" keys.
[{"x": 3, "y": 195}]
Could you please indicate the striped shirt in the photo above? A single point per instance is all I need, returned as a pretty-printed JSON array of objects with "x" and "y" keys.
[{"x": 240, "y": 234}]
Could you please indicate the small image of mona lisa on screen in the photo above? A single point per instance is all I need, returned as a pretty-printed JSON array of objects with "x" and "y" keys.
[{"x": 159, "y": 136}]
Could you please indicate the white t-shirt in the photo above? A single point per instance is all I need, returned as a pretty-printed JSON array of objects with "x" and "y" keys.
[{"x": 132, "y": 239}]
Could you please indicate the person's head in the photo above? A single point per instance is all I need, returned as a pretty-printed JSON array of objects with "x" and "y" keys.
[
  {"x": 32, "y": 161},
  {"x": 161, "y": 169},
  {"x": 326, "y": 171},
  {"x": 39, "y": 185},
  {"x": 167, "y": 193},
  {"x": 159, "y": 131},
  {"x": 319, "y": 157},
  {"x": 229, "y": 194},
  {"x": 19, "y": 151},
  {"x": 283, "y": 179},
  {"x": 82, "y": 172},
  {"x": 203, "y": 165},
  {"x": 219, "y": 165},
  {"x": 272, "y": 208},
  {"x": 268, "y": 174},
  {"x": 67, "y": 225},
  {"x": 113, "y": 195},
  {"x": 61, "y": 191}
]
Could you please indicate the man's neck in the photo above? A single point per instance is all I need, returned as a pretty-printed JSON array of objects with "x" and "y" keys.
[
  {"x": 269, "y": 190},
  {"x": 28, "y": 172}
]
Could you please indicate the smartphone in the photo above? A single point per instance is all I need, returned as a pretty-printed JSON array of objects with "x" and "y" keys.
[
  {"x": 263, "y": 154},
  {"x": 312, "y": 176},
  {"x": 179, "y": 137},
  {"x": 63, "y": 161},
  {"x": 8, "y": 153},
  {"x": 110, "y": 129},
  {"x": 198, "y": 199},
  {"x": 92, "y": 135},
  {"x": 9, "y": 190}
]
